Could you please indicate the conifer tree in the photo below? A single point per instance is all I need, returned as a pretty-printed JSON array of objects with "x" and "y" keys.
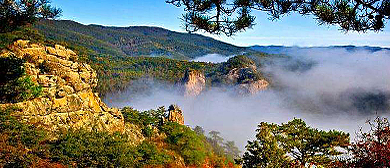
[
  {"x": 229, "y": 17},
  {"x": 293, "y": 144},
  {"x": 16, "y": 13}
]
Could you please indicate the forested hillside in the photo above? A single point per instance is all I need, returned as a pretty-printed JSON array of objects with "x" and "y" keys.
[
  {"x": 134, "y": 40},
  {"x": 122, "y": 54}
]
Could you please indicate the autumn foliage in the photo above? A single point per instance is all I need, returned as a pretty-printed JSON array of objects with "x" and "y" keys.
[{"x": 372, "y": 148}]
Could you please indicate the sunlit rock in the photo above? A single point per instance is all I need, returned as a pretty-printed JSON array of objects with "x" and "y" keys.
[
  {"x": 193, "y": 83},
  {"x": 67, "y": 100}
]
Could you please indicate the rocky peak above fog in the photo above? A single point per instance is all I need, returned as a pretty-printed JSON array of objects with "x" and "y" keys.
[
  {"x": 242, "y": 72},
  {"x": 193, "y": 82},
  {"x": 238, "y": 72}
]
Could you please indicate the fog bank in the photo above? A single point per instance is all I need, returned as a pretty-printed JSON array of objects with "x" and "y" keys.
[
  {"x": 213, "y": 58},
  {"x": 328, "y": 88}
]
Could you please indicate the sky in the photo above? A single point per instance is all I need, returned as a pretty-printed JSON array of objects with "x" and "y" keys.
[{"x": 292, "y": 30}]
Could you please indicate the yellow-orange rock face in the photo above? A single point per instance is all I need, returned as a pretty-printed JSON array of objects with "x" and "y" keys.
[{"x": 68, "y": 100}]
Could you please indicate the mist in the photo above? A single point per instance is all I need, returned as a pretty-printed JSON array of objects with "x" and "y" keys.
[
  {"x": 213, "y": 58},
  {"x": 327, "y": 88}
]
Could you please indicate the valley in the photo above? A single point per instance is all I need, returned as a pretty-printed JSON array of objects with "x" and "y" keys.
[{"x": 89, "y": 95}]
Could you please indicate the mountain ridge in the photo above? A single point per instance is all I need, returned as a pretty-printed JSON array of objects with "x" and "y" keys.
[{"x": 135, "y": 40}]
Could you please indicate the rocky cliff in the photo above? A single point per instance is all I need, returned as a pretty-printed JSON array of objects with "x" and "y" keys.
[
  {"x": 245, "y": 80},
  {"x": 238, "y": 72},
  {"x": 67, "y": 100},
  {"x": 193, "y": 82},
  {"x": 252, "y": 87}
]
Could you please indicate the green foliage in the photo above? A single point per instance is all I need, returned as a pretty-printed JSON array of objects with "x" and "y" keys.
[
  {"x": 25, "y": 33},
  {"x": 21, "y": 89},
  {"x": 15, "y": 138},
  {"x": 186, "y": 142},
  {"x": 27, "y": 135},
  {"x": 151, "y": 155},
  {"x": 245, "y": 69},
  {"x": 17, "y": 13},
  {"x": 303, "y": 144},
  {"x": 240, "y": 61},
  {"x": 116, "y": 75},
  {"x": 16, "y": 86},
  {"x": 102, "y": 149},
  {"x": 199, "y": 130},
  {"x": 225, "y": 17},
  {"x": 145, "y": 118},
  {"x": 94, "y": 149},
  {"x": 216, "y": 142},
  {"x": 11, "y": 68},
  {"x": 23, "y": 145}
]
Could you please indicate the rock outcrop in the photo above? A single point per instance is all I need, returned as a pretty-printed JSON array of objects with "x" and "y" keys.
[
  {"x": 175, "y": 114},
  {"x": 193, "y": 82},
  {"x": 246, "y": 80},
  {"x": 252, "y": 87},
  {"x": 67, "y": 100}
]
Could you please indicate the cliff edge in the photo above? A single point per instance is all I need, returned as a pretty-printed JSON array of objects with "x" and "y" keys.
[
  {"x": 67, "y": 99},
  {"x": 193, "y": 82}
]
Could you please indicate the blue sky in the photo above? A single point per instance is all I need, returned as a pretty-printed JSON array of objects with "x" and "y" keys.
[{"x": 290, "y": 30}]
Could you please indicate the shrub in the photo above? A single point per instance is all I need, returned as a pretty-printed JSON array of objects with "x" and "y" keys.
[
  {"x": 20, "y": 144},
  {"x": 11, "y": 68},
  {"x": 191, "y": 146},
  {"x": 146, "y": 120},
  {"x": 25, "y": 33},
  {"x": 44, "y": 67},
  {"x": 152, "y": 156},
  {"x": 15, "y": 85},
  {"x": 372, "y": 148},
  {"x": 102, "y": 149},
  {"x": 93, "y": 149},
  {"x": 20, "y": 89}
]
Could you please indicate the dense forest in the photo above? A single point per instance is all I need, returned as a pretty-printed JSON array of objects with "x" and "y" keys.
[{"x": 135, "y": 40}]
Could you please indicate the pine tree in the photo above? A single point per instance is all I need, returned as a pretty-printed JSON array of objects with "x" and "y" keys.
[
  {"x": 230, "y": 17},
  {"x": 16, "y": 13}
]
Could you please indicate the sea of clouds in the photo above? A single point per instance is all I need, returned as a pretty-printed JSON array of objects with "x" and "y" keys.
[{"x": 327, "y": 88}]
